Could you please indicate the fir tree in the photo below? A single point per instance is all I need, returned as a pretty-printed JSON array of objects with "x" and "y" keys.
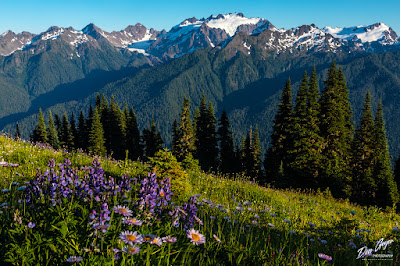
[
  {"x": 255, "y": 159},
  {"x": 387, "y": 194},
  {"x": 133, "y": 137},
  {"x": 175, "y": 138},
  {"x": 17, "y": 134},
  {"x": 83, "y": 133},
  {"x": 336, "y": 130},
  {"x": 96, "y": 143},
  {"x": 52, "y": 133},
  {"x": 114, "y": 131},
  {"x": 186, "y": 139},
  {"x": 152, "y": 140},
  {"x": 277, "y": 157},
  {"x": 74, "y": 129},
  {"x": 227, "y": 154},
  {"x": 40, "y": 133},
  {"x": 57, "y": 122},
  {"x": 364, "y": 187},
  {"x": 206, "y": 139},
  {"x": 307, "y": 144},
  {"x": 66, "y": 137}
]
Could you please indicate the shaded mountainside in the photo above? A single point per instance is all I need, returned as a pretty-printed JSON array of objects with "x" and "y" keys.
[
  {"x": 248, "y": 86},
  {"x": 240, "y": 64}
]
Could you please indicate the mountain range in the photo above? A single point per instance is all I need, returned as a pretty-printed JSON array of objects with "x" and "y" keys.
[{"x": 239, "y": 63}]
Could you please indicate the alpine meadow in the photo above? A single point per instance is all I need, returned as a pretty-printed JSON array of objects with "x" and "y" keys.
[{"x": 222, "y": 141}]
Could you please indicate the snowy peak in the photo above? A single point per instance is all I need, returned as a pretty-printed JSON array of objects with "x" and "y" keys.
[
  {"x": 376, "y": 32},
  {"x": 11, "y": 42},
  {"x": 230, "y": 23}
]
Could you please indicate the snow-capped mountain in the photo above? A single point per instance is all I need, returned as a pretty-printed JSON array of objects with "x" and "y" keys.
[
  {"x": 11, "y": 42},
  {"x": 193, "y": 34}
]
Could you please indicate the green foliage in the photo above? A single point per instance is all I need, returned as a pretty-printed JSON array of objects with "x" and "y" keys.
[
  {"x": 165, "y": 164},
  {"x": 277, "y": 156},
  {"x": 387, "y": 188},
  {"x": 133, "y": 136},
  {"x": 227, "y": 153},
  {"x": 52, "y": 133},
  {"x": 185, "y": 142},
  {"x": 66, "y": 136},
  {"x": 364, "y": 186},
  {"x": 205, "y": 137},
  {"x": 152, "y": 140},
  {"x": 96, "y": 143},
  {"x": 336, "y": 129},
  {"x": 39, "y": 134}
]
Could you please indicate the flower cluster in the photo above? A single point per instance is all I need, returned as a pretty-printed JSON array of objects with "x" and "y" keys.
[
  {"x": 100, "y": 222},
  {"x": 66, "y": 183},
  {"x": 153, "y": 196},
  {"x": 187, "y": 214}
]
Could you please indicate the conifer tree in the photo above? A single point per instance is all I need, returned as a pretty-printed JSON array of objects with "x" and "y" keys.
[
  {"x": 57, "y": 122},
  {"x": 175, "y": 138},
  {"x": 255, "y": 159},
  {"x": 39, "y": 134},
  {"x": 227, "y": 154},
  {"x": 52, "y": 133},
  {"x": 17, "y": 134},
  {"x": 96, "y": 143},
  {"x": 90, "y": 118},
  {"x": 133, "y": 137},
  {"x": 206, "y": 139},
  {"x": 66, "y": 137},
  {"x": 277, "y": 157},
  {"x": 152, "y": 140},
  {"x": 336, "y": 130},
  {"x": 307, "y": 144},
  {"x": 246, "y": 154},
  {"x": 114, "y": 131},
  {"x": 364, "y": 187},
  {"x": 74, "y": 129},
  {"x": 83, "y": 132},
  {"x": 186, "y": 140},
  {"x": 387, "y": 194}
]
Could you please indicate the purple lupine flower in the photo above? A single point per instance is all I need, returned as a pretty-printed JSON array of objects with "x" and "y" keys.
[
  {"x": 324, "y": 256},
  {"x": 31, "y": 225}
]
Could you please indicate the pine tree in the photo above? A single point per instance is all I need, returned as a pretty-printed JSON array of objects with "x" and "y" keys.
[
  {"x": 52, "y": 133},
  {"x": 227, "y": 154},
  {"x": 133, "y": 137},
  {"x": 277, "y": 156},
  {"x": 364, "y": 187},
  {"x": 387, "y": 194},
  {"x": 39, "y": 134},
  {"x": 66, "y": 137},
  {"x": 186, "y": 140},
  {"x": 96, "y": 143},
  {"x": 89, "y": 119},
  {"x": 17, "y": 134},
  {"x": 152, "y": 140},
  {"x": 246, "y": 157},
  {"x": 336, "y": 130}
]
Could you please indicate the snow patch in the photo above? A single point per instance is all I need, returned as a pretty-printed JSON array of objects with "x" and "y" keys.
[
  {"x": 363, "y": 33},
  {"x": 231, "y": 22}
]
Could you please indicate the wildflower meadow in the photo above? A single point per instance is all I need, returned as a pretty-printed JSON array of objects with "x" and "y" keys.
[{"x": 60, "y": 208}]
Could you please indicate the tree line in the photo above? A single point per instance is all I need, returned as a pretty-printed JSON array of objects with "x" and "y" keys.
[{"x": 313, "y": 143}]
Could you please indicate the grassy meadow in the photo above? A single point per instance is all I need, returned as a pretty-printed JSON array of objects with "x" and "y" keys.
[{"x": 86, "y": 211}]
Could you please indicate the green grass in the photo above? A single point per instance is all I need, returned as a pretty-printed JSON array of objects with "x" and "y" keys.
[{"x": 247, "y": 236}]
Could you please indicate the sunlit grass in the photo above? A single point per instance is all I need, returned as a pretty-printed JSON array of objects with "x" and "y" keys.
[{"x": 242, "y": 222}]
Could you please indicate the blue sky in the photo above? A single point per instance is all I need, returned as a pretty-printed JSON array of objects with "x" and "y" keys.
[{"x": 37, "y": 16}]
